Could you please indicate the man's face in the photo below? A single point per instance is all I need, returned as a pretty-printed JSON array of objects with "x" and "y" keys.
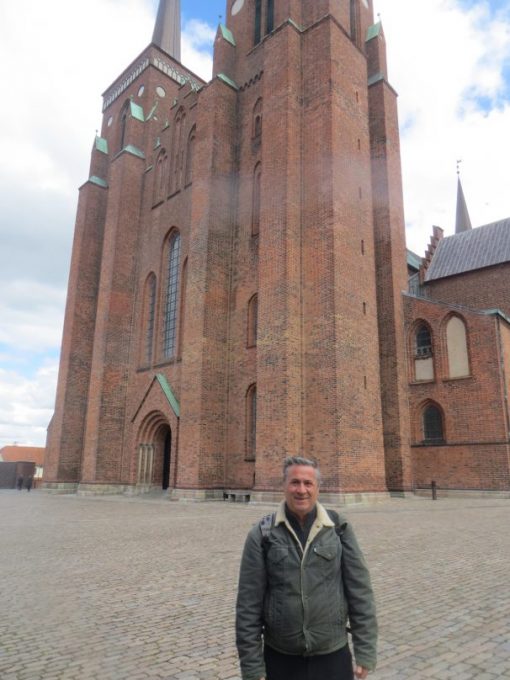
[{"x": 301, "y": 489}]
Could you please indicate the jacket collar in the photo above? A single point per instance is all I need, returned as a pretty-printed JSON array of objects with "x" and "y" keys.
[{"x": 322, "y": 519}]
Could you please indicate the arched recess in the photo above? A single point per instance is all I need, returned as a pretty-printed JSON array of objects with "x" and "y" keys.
[
  {"x": 190, "y": 154},
  {"x": 148, "y": 320},
  {"x": 257, "y": 119},
  {"x": 177, "y": 151},
  {"x": 251, "y": 334},
  {"x": 456, "y": 336},
  {"x": 160, "y": 177},
  {"x": 251, "y": 423},
  {"x": 421, "y": 349},
  {"x": 255, "y": 221},
  {"x": 123, "y": 120}
]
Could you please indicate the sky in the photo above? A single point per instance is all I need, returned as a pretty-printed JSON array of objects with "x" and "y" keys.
[{"x": 449, "y": 60}]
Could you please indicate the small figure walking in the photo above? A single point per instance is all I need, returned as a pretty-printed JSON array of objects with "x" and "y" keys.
[
  {"x": 29, "y": 483},
  {"x": 19, "y": 482}
]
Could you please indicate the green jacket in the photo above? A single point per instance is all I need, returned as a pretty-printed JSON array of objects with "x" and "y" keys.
[{"x": 300, "y": 600}]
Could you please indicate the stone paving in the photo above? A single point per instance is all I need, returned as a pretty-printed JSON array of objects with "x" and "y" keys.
[{"x": 136, "y": 589}]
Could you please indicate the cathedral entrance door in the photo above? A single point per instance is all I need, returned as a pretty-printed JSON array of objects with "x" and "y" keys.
[{"x": 167, "y": 448}]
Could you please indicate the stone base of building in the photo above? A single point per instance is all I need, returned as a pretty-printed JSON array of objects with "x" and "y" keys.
[
  {"x": 59, "y": 487},
  {"x": 463, "y": 493}
]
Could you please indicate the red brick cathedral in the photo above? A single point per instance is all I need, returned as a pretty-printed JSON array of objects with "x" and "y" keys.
[{"x": 238, "y": 281}]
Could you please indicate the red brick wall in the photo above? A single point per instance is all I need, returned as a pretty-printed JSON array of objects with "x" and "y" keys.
[{"x": 475, "y": 407}]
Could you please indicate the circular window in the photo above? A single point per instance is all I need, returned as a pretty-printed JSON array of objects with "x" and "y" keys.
[
  {"x": 160, "y": 92},
  {"x": 237, "y": 7},
  {"x": 141, "y": 90},
  {"x": 110, "y": 121}
]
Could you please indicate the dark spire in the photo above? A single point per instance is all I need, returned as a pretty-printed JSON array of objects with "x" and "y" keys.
[
  {"x": 462, "y": 222},
  {"x": 167, "y": 32}
]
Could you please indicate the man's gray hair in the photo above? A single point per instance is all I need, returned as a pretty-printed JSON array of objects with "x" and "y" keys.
[{"x": 299, "y": 460}]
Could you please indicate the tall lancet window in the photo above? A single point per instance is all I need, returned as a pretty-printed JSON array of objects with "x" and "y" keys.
[
  {"x": 258, "y": 21},
  {"x": 355, "y": 22},
  {"x": 172, "y": 295},
  {"x": 270, "y": 16}
]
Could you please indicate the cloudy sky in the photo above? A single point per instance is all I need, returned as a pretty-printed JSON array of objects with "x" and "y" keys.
[{"x": 448, "y": 59}]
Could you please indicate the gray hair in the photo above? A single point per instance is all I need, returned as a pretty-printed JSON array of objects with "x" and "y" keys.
[{"x": 299, "y": 460}]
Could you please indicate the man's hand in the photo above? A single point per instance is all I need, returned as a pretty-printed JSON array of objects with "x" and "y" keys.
[{"x": 360, "y": 672}]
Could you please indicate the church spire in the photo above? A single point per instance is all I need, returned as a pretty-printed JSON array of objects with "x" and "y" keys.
[
  {"x": 167, "y": 31},
  {"x": 462, "y": 222}
]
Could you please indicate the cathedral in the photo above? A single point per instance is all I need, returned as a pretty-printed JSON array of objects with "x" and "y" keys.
[{"x": 240, "y": 289}]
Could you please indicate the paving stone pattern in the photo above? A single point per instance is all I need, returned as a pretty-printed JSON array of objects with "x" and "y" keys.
[{"x": 135, "y": 589}]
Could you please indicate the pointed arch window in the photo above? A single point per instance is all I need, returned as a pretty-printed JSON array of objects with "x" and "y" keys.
[
  {"x": 190, "y": 151},
  {"x": 251, "y": 422},
  {"x": 456, "y": 341},
  {"x": 252, "y": 321},
  {"x": 149, "y": 317},
  {"x": 172, "y": 295},
  {"x": 433, "y": 429},
  {"x": 255, "y": 222}
]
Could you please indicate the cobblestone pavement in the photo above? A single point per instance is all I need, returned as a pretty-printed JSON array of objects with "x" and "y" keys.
[{"x": 135, "y": 589}]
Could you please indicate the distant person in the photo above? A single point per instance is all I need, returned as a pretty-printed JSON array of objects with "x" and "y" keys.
[
  {"x": 303, "y": 579},
  {"x": 29, "y": 483},
  {"x": 19, "y": 482}
]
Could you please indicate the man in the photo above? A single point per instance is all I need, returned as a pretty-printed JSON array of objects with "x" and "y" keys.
[{"x": 302, "y": 576}]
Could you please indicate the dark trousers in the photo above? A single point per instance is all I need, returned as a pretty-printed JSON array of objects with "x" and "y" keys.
[{"x": 335, "y": 666}]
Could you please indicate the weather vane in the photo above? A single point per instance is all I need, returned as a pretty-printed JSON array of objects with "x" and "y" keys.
[{"x": 458, "y": 166}]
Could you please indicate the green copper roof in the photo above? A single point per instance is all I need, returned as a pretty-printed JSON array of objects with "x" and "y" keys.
[
  {"x": 100, "y": 182},
  {"x": 375, "y": 79},
  {"x": 137, "y": 111},
  {"x": 133, "y": 151},
  {"x": 102, "y": 145},
  {"x": 227, "y": 80},
  {"x": 374, "y": 31},
  {"x": 227, "y": 34},
  {"x": 169, "y": 394}
]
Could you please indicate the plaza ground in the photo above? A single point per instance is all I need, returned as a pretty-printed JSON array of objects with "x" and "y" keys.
[{"x": 135, "y": 589}]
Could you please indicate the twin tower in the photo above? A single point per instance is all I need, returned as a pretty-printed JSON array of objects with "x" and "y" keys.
[{"x": 238, "y": 264}]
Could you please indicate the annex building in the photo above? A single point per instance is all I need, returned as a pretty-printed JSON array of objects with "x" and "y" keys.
[{"x": 239, "y": 280}]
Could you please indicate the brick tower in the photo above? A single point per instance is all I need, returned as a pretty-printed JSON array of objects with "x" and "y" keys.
[{"x": 239, "y": 258}]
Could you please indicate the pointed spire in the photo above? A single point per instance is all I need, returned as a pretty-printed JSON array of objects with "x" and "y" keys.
[
  {"x": 167, "y": 31},
  {"x": 462, "y": 222}
]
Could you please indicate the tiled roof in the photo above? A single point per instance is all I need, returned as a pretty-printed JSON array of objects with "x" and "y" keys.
[
  {"x": 475, "y": 249},
  {"x": 27, "y": 454}
]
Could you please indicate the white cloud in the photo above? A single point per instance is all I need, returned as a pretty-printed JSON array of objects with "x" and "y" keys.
[
  {"x": 26, "y": 405},
  {"x": 442, "y": 59}
]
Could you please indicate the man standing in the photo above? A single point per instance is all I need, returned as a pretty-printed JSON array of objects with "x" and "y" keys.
[{"x": 302, "y": 577}]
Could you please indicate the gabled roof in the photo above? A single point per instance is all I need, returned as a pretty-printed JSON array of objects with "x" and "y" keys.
[
  {"x": 473, "y": 249},
  {"x": 26, "y": 454}
]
